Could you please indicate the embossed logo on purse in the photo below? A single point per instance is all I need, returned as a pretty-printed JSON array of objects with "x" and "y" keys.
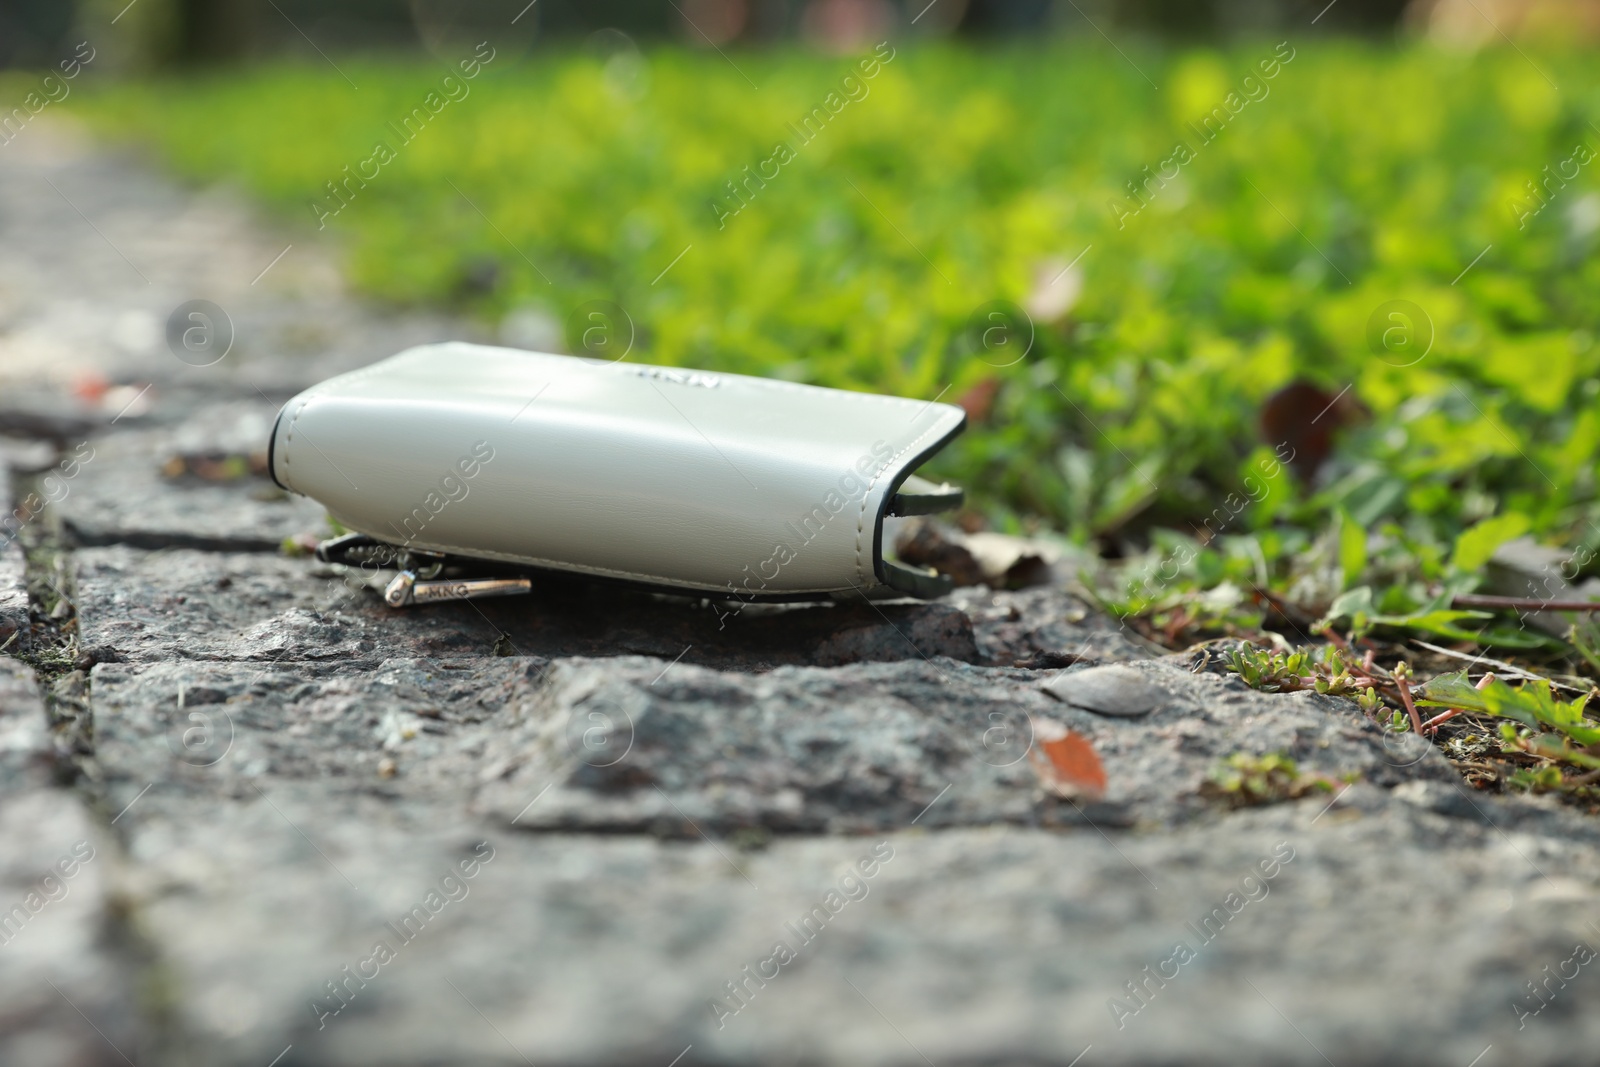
[{"x": 695, "y": 378}]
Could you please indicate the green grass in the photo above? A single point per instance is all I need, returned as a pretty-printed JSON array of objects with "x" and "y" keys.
[{"x": 1366, "y": 175}]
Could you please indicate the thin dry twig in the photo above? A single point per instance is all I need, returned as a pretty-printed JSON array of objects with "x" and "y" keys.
[
  {"x": 1405, "y": 698},
  {"x": 1433, "y": 724},
  {"x": 1509, "y": 668}
]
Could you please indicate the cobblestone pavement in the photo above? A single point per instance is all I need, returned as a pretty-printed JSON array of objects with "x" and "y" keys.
[{"x": 250, "y": 816}]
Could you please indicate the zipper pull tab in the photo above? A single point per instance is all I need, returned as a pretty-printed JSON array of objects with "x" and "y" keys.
[{"x": 407, "y": 589}]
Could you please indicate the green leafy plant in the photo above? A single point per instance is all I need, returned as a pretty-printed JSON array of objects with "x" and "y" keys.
[
  {"x": 1585, "y": 640},
  {"x": 1243, "y": 779},
  {"x": 1322, "y": 669},
  {"x": 1532, "y": 704},
  {"x": 976, "y": 174},
  {"x": 1554, "y": 729},
  {"x": 1536, "y": 779},
  {"x": 1355, "y": 609}
]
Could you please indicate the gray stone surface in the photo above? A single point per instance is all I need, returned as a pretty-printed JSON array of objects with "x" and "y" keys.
[
  {"x": 275, "y": 772},
  {"x": 142, "y": 605},
  {"x": 27, "y": 754},
  {"x": 630, "y": 744},
  {"x": 13, "y": 593},
  {"x": 57, "y": 970},
  {"x": 182, "y": 603},
  {"x": 199, "y": 727},
  {"x": 98, "y": 252},
  {"x": 68, "y": 994},
  {"x": 997, "y": 945},
  {"x": 1045, "y": 627},
  {"x": 868, "y": 748},
  {"x": 121, "y": 495}
]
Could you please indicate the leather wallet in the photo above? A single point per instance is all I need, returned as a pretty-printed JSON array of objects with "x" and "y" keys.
[{"x": 456, "y": 459}]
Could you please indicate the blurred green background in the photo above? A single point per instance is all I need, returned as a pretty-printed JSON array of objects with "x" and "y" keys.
[{"x": 1106, "y": 229}]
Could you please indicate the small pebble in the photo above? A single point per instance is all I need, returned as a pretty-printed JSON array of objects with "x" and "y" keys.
[{"x": 1112, "y": 690}]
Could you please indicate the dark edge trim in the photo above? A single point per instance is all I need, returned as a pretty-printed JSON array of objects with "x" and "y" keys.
[
  {"x": 905, "y": 507},
  {"x": 906, "y": 471},
  {"x": 272, "y": 448}
]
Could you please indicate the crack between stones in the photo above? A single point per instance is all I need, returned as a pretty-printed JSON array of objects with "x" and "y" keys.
[{"x": 157, "y": 540}]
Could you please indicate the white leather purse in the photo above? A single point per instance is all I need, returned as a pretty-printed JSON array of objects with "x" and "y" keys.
[{"x": 455, "y": 462}]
